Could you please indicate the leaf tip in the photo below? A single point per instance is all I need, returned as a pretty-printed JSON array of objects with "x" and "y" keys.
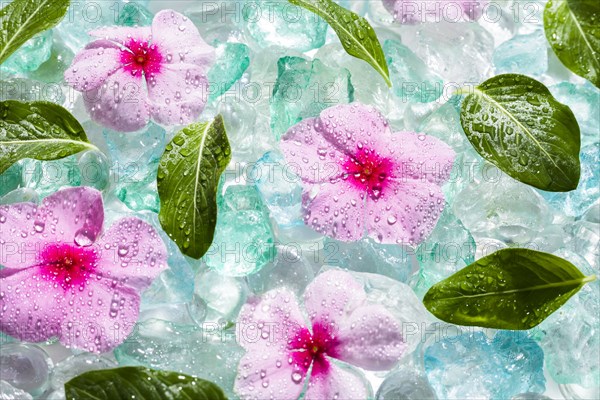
[{"x": 388, "y": 81}]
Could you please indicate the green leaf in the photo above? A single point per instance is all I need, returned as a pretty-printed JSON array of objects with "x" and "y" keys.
[
  {"x": 23, "y": 19},
  {"x": 141, "y": 384},
  {"x": 40, "y": 130},
  {"x": 355, "y": 33},
  {"x": 514, "y": 122},
  {"x": 510, "y": 289},
  {"x": 573, "y": 29},
  {"x": 188, "y": 177}
]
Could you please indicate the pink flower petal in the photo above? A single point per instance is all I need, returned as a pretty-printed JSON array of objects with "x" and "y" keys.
[
  {"x": 405, "y": 212},
  {"x": 30, "y": 306},
  {"x": 331, "y": 297},
  {"x": 370, "y": 338},
  {"x": 75, "y": 215},
  {"x": 72, "y": 215},
  {"x": 95, "y": 45},
  {"x": 352, "y": 126},
  {"x": 265, "y": 325},
  {"x": 338, "y": 383},
  {"x": 336, "y": 210},
  {"x": 177, "y": 93},
  {"x": 267, "y": 374},
  {"x": 98, "y": 44},
  {"x": 123, "y": 35},
  {"x": 419, "y": 156},
  {"x": 178, "y": 38},
  {"x": 107, "y": 311},
  {"x": 121, "y": 103},
  {"x": 95, "y": 316},
  {"x": 20, "y": 237},
  {"x": 132, "y": 252},
  {"x": 310, "y": 155},
  {"x": 268, "y": 321},
  {"x": 92, "y": 66}
]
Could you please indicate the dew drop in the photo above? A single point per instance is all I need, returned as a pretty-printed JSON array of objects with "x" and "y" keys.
[
  {"x": 39, "y": 226},
  {"x": 123, "y": 250},
  {"x": 296, "y": 377},
  {"x": 83, "y": 237}
]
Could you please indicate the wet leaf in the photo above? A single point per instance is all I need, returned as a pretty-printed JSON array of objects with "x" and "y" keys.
[
  {"x": 23, "y": 19},
  {"x": 509, "y": 289},
  {"x": 355, "y": 33},
  {"x": 39, "y": 130},
  {"x": 188, "y": 177},
  {"x": 514, "y": 122},
  {"x": 573, "y": 29},
  {"x": 141, "y": 384}
]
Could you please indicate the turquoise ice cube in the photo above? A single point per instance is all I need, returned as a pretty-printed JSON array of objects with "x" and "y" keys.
[
  {"x": 134, "y": 158},
  {"x": 243, "y": 241},
  {"x": 576, "y": 202},
  {"x": 53, "y": 69},
  {"x": 449, "y": 248},
  {"x": 444, "y": 123},
  {"x": 222, "y": 296},
  {"x": 366, "y": 255},
  {"x": 584, "y": 101},
  {"x": 85, "y": 16},
  {"x": 279, "y": 187},
  {"x": 208, "y": 351},
  {"x": 94, "y": 169},
  {"x": 174, "y": 285},
  {"x": 46, "y": 177},
  {"x": 303, "y": 89},
  {"x": 248, "y": 130},
  {"x": 406, "y": 383},
  {"x": 279, "y": 23},
  {"x": 570, "y": 337},
  {"x": 218, "y": 21},
  {"x": 30, "y": 55},
  {"x": 471, "y": 365},
  {"x": 232, "y": 61},
  {"x": 410, "y": 76},
  {"x": 523, "y": 54},
  {"x": 135, "y": 13},
  {"x": 293, "y": 267}
]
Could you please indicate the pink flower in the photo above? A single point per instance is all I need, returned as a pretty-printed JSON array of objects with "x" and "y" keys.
[
  {"x": 359, "y": 176},
  {"x": 132, "y": 74},
  {"x": 418, "y": 11},
  {"x": 343, "y": 328},
  {"x": 62, "y": 279}
]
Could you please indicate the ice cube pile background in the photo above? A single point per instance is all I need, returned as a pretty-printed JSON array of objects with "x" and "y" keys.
[{"x": 277, "y": 64}]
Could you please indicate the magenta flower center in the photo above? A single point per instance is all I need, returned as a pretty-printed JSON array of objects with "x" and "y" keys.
[
  {"x": 310, "y": 348},
  {"x": 141, "y": 57},
  {"x": 368, "y": 171},
  {"x": 66, "y": 264}
]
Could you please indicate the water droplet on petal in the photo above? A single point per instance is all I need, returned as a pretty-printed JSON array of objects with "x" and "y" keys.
[
  {"x": 296, "y": 377},
  {"x": 39, "y": 226},
  {"x": 83, "y": 237},
  {"x": 123, "y": 250}
]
